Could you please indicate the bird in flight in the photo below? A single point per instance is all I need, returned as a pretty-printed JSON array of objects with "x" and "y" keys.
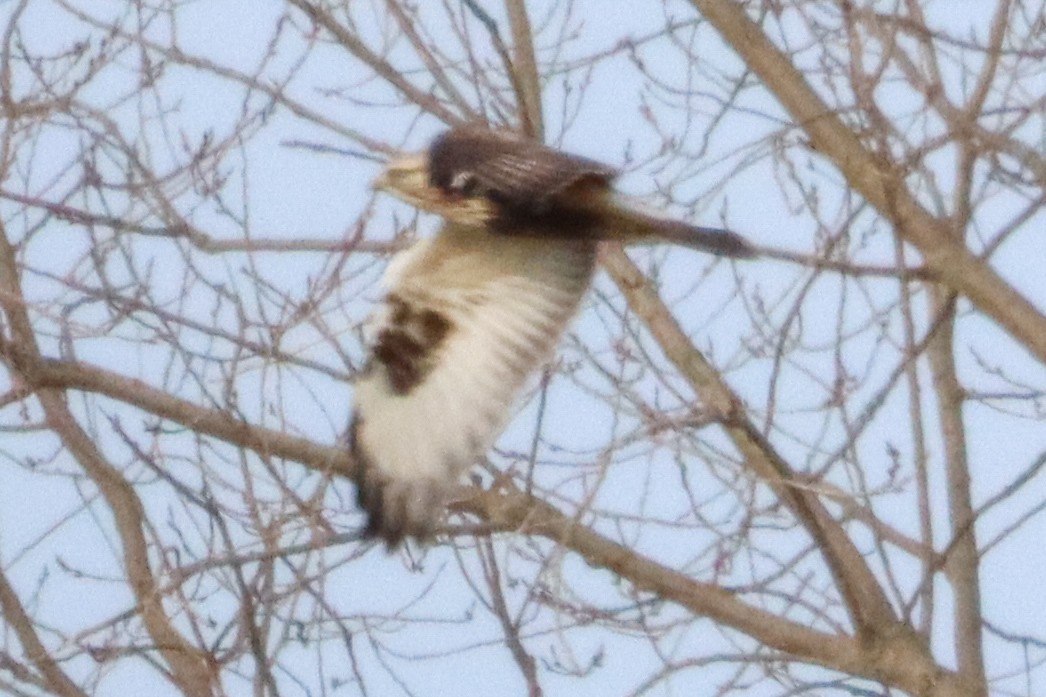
[{"x": 471, "y": 312}]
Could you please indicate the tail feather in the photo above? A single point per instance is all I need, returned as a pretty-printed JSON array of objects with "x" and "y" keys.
[
  {"x": 707, "y": 239},
  {"x": 631, "y": 225}
]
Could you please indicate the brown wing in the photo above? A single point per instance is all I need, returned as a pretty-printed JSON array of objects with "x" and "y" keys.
[
  {"x": 519, "y": 174},
  {"x": 517, "y": 186}
]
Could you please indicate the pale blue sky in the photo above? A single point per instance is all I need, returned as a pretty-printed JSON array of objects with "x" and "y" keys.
[{"x": 297, "y": 194}]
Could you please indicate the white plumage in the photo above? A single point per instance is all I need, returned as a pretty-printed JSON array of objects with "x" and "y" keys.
[
  {"x": 471, "y": 313},
  {"x": 506, "y": 300}
]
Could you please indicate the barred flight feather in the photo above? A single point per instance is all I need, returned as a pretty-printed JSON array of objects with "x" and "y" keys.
[{"x": 503, "y": 302}]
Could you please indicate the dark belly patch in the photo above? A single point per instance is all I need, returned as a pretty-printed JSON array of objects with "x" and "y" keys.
[{"x": 407, "y": 346}]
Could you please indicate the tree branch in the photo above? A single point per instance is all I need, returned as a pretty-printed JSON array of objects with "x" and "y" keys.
[
  {"x": 880, "y": 181},
  {"x": 898, "y": 658},
  {"x": 19, "y": 621},
  {"x": 963, "y": 561},
  {"x": 868, "y": 607},
  {"x": 191, "y": 667}
]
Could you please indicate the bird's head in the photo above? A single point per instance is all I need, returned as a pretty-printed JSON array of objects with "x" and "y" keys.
[{"x": 408, "y": 177}]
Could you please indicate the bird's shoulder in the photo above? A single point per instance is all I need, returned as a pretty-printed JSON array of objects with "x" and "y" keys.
[{"x": 509, "y": 168}]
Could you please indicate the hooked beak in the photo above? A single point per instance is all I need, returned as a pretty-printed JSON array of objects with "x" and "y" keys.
[
  {"x": 402, "y": 170},
  {"x": 381, "y": 182}
]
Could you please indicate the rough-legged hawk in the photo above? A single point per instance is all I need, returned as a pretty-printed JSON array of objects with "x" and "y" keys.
[{"x": 473, "y": 311}]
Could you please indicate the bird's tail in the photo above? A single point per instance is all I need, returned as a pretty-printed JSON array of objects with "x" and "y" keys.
[{"x": 630, "y": 225}]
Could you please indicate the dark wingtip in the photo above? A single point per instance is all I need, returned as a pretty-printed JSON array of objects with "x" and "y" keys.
[
  {"x": 395, "y": 509},
  {"x": 729, "y": 244},
  {"x": 713, "y": 240},
  {"x": 370, "y": 499},
  {"x": 369, "y": 494}
]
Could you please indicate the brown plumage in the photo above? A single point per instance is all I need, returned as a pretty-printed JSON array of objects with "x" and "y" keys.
[
  {"x": 516, "y": 186},
  {"x": 472, "y": 312}
]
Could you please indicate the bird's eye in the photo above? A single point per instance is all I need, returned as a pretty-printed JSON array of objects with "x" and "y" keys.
[{"x": 465, "y": 183}]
